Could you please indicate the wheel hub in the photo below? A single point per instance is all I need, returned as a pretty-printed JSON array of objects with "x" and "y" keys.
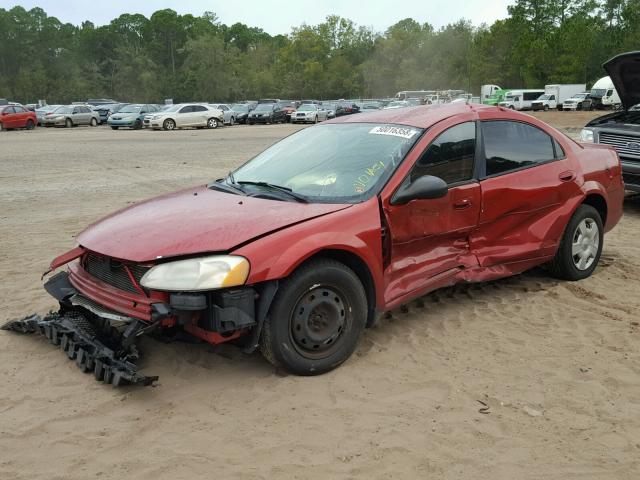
[
  {"x": 318, "y": 320},
  {"x": 586, "y": 241}
]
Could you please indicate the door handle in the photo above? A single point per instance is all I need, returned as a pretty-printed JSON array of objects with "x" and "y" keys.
[
  {"x": 462, "y": 204},
  {"x": 567, "y": 176}
]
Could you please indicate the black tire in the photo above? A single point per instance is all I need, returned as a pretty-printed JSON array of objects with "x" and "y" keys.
[
  {"x": 564, "y": 266},
  {"x": 137, "y": 124},
  {"x": 1, "y": 127},
  {"x": 30, "y": 125},
  {"x": 232, "y": 122},
  {"x": 169, "y": 124},
  {"x": 212, "y": 123},
  {"x": 316, "y": 319},
  {"x": 68, "y": 123},
  {"x": 546, "y": 108},
  {"x": 93, "y": 122},
  {"x": 114, "y": 128}
]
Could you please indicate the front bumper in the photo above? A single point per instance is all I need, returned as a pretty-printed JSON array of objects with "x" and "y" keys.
[
  {"x": 260, "y": 120},
  {"x": 120, "y": 123},
  {"x": 52, "y": 123},
  {"x": 304, "y": 119}
]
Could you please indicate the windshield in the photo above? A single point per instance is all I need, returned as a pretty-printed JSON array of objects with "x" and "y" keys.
[
  {"x": 340, "y": 162},
  {"x": 544, "y": 97},
  {"x": 63, "y": 109},
  {"x": 264, "y": 107},
  {"x": 329, "y": 106},
  {"x": 174, "y": 108},
  {"x": 580, "y": 96},
  {"x": 306, "y": 107},
  {"x": 598, "y": 92},
  {"x": 130, "y": 109},
  {"x": 240, "y": 107}
]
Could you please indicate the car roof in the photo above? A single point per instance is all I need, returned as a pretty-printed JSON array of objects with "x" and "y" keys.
[{"x": 422, "y": 116}]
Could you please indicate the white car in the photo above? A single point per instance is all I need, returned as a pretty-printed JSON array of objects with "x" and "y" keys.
[
  {"x": 185, "y": 115},
  {"x": 397, "y": 104},
  {"x": 309, "y": 113},
  {"x": 227, "y": 111},
  {"x": 580, "y": 101}
]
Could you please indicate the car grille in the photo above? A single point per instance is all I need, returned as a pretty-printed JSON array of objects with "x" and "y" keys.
[
  {"x": 624, "y": 144},
  {"x": 114, "y": 273}
]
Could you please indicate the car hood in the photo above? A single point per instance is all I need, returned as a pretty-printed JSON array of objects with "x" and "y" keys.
[
  {"x": 193, "y": 221},
  {"x": 624, "y": 71}
]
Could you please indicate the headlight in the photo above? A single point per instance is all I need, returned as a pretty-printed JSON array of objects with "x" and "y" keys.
[
  {"x": 196, "y": 274},
  {"x": 586, "y": 135},
  {"x": 155, "y": 117}
]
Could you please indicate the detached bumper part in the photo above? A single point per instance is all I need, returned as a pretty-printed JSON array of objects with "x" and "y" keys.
[{"x": 77, "y": 337}]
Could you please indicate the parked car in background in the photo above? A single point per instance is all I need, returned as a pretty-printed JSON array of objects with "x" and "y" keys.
[
  {"x": 267, "y": 113},
  {"x": 397, "y": 104},
  {"x": 330, "y": 107},
  {"x": 520, "y": 99},
  {"x": 241, "y": 112},
  {"x": 4, "y": 101},
  {"x": 107, "y": 109},
  {"x": 309, "y": 113},
  {"x": 371, "y": 106},
  {"x": 17, "y": 116},
  {"x": 288, "y": 107},
  {"x": 146, "y": 120},
  {"x": 42, "y": 111},
  {"x": 228, "y": 114},
  {"x": 621, "y": 129},
  {"x": 580, "y": 101},
  {"x": 555, "y": 95},
  {"x": 71, "y": 116},
  {"x": 98, "y": 101},
  {"x": 346, "y": 107},
  {"x": 185, "y": 115},
  {"x": 131, "y": 116}
]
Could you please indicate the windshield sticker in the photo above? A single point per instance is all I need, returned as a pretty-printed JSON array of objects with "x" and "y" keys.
[
  {"x": 402, "y": 132},
  {"x": 361, "y": 182}
]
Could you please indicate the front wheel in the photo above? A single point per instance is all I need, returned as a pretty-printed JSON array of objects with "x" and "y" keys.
[
  {"x": 232, "y": 122},
  {"x": 316, "y": 319},
  {"x": 68, "y": 123},
  {"x": 581, "y": 245},
  {"x": 114, "y": 128},
  {"x": 169, "y": 124},
  {"x": 137, "y": 124},
  {"x": 546, "y": 108}
]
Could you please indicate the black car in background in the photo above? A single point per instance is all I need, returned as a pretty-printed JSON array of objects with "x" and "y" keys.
[
  {"x": 622, "y": 129},
  {"x": 267, "y": 113},
  {"x": 107, "y": 109},
  {"x": 241, "y": 111}
]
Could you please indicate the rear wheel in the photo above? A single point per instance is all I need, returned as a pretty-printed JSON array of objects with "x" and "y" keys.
[
  {"x": 1, "y": 127},
  {"x": 30, "y": 125},
  {"x": 316, "y": 319},
  {"x": 212, "y": 123},
  {"x": 169, "y": 124},
  {"x": 581, "y": 245},
  {"x": 93, "y": 122}
]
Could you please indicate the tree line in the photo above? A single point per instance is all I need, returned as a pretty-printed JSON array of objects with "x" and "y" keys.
[{"x": 186, "y": 57}]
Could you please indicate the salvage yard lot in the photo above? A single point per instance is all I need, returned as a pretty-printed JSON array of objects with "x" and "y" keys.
[{"x": 556, "y": 363}]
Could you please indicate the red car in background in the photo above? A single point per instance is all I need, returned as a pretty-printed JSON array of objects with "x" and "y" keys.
[
  {"x": 17, "y": 116},
  {"x": 305, "y": 245}
]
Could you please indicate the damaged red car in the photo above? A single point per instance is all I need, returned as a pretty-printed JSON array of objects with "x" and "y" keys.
[{"x": 305, "y": 245}]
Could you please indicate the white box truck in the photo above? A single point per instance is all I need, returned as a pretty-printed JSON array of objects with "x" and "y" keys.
[{"x": 555, "y": 95}]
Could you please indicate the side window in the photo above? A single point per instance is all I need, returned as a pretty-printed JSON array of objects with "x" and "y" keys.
[
  {"x": 450, "y": 156},
  {"x": 186, "y": 109},
  {"x": 9, "y": 110},
  {"x": 199, "y": 108},
  {"x": 18, "y": 109},
  {"x": 552, "y": 97},
  {"x": 559, "y": 151},
  {"x": 512, "y": 145},
  {"x": 609, "y": 93}
]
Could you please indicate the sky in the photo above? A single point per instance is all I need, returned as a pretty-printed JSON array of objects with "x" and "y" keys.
[{"x": 278, "y": 16}]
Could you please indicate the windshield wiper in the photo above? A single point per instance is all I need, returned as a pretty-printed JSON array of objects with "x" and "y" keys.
[
  {"x": 232, "y": 187},
  {"x": 279, "y": 188}
]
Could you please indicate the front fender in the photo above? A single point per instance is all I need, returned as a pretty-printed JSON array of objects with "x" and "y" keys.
[{"x": 355, "y": 230}]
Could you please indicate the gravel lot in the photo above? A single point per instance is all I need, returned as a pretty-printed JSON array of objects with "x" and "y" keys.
[{"x": 556, "y": 363}]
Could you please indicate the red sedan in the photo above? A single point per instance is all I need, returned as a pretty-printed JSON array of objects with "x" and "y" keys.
[
  {"x": 306, "y": 244},
  {"x": 17, "y": 116}
]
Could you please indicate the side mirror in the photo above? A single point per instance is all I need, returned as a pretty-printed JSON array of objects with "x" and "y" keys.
[{"x": 426, "y": 187}]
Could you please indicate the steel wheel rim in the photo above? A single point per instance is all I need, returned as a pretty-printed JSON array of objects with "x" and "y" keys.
[
  {"x": 318, "y": 322},
  {"x": 585, "y": 244}
]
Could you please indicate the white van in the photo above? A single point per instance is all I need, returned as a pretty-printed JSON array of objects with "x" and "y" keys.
[
  {"x": 520, "y": 99},
  {"x": 604, "y": 94},
  {"x": 555, "y": 95}
]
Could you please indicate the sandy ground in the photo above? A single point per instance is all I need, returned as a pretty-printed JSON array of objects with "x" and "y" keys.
[{"x": 557, "y": 363}]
